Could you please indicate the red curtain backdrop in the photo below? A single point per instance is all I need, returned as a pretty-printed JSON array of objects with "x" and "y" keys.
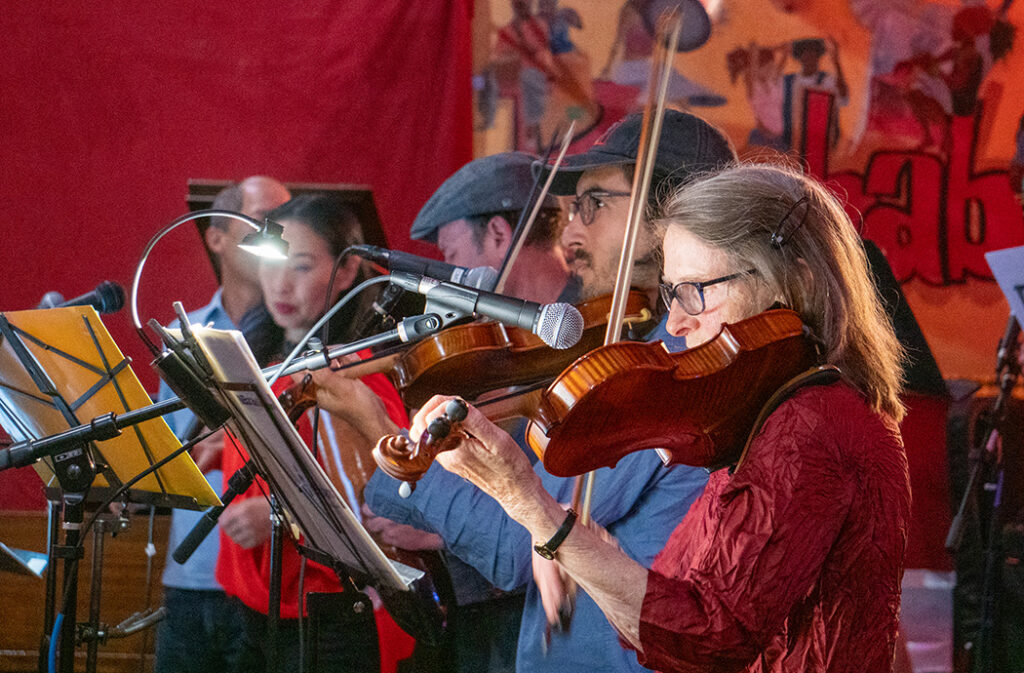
[{"x": 107, "y": 109}]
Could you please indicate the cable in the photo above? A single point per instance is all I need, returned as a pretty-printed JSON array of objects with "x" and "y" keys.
[
  {"x": 137, "y": 478},
  {"x": 302, "y": 610},
  {"x": 52, "y": 658},
  {"x": 323, "y": 321}
]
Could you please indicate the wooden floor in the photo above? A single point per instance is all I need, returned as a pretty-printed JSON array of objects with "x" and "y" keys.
[{"x": 124, "y": 592}]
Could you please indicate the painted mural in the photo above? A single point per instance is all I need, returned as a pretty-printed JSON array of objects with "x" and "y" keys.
[{"x": 910, "y": 108}]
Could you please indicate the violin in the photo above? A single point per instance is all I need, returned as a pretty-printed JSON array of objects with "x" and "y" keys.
[
  {"x": 472, "y": 359},
  {"x": 700, "y": 405}
]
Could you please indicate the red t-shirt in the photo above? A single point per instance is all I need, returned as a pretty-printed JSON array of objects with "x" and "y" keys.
[
  {"x": 794, "y": 562},
  {"x": 245, "y": 573}
]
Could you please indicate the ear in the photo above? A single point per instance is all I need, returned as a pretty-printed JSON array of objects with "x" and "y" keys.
[
  {"x": 216, "y": 239},
  {"x": 498, "y": 235},
  {"x": 347, "y": 273}
]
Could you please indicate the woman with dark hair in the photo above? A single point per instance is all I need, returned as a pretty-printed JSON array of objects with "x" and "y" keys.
[
  {"x": 317, "y": 229},
  {"x": 322, "y": 226}
]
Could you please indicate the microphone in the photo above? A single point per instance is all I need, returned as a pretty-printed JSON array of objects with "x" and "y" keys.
[
  {"x": 558, "y": 325},
  {"x": 482, "y": 277},
  {"x": 108, "y": 297}
]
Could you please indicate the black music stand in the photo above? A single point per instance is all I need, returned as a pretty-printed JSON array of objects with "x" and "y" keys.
[{"x": 333, "y": 536}]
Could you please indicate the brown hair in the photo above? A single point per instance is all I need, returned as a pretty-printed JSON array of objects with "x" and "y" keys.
[{"x": 808, "y": 255}]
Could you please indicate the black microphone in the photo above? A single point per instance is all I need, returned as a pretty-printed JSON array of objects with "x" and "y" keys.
[
  {"x": 239, "y": 483},
  {"x": 482, "y": 277},
  {"x": 558, "y": 325},
  {"x": 108, "y": 297}
]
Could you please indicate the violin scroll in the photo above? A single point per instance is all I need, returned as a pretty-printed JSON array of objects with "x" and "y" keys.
[{"x": 406, "y": 461}]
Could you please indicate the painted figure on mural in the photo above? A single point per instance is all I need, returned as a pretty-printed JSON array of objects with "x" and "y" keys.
[
  {"x": 928, "y": 62},
  {"x": 1017, "y": 163},
  {"x": 535, "y": 63},
  {"x": 628, "y": 62},
  {"x": 808, "y": 53},
  {"x": 523, "y": 62},
  {"x": 762, "y": 70}
]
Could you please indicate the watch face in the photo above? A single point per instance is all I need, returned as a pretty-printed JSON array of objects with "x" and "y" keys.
[{"x": 544, "y": 552}]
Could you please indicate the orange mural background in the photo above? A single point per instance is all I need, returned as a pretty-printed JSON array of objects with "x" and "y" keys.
[{"x": 930, "y": 168}]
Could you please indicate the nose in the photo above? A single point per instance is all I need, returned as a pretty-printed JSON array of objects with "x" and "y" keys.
[
  {"x": 574, "y": 235},
  {"x": 679, "y": 322},
  {"x": 275, "y": 279}
]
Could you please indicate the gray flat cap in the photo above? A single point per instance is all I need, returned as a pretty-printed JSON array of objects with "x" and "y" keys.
[{"x": 493, "y": 184}]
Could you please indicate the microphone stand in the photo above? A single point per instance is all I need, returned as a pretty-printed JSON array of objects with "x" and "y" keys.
[{"x": 987, "y": 465}]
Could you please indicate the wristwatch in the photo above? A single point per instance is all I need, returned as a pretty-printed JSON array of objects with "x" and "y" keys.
[{"x": 548, "y": 549}]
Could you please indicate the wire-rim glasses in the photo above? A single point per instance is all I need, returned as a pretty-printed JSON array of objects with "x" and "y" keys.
[
  {"x": 587, "y": 204},
  {"x": 690, "y": 294}
]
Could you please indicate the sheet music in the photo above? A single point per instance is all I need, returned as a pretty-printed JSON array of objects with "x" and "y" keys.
[
  {"x": 305, "y": 491},
  {"x": 1008, "y": 268}
]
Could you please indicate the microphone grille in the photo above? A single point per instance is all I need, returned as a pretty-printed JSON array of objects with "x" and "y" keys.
[{"x": 560, "y": 325}]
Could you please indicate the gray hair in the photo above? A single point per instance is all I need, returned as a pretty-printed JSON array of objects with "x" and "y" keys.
[
  {"x": 808, "y": 256},
  {"x": 230, "y": 198}
]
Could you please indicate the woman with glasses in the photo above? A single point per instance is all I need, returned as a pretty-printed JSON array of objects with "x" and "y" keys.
[{"x": 792, "y": 560}]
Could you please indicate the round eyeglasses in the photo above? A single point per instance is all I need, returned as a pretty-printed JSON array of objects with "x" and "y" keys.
[
  {"x": 690, "y": 294},
  {"x": 587, "y": 204}
]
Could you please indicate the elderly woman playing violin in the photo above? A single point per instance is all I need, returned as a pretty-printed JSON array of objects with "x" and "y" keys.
[{"x": 792, "y": 559}]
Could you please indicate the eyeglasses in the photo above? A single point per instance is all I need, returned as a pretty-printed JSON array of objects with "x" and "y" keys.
[
  {"x": 586, "y": 204},
  {"x": 690, "y": 295}
]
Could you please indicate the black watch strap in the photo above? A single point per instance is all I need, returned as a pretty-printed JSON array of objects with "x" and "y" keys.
[{"x": 548, "y": 549}]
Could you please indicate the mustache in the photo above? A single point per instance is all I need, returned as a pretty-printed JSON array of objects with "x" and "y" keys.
[{"x": 581, "y": 256}]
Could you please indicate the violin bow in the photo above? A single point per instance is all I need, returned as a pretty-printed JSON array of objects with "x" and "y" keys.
[
  {"x": 523, "y": 232},
  {"x": 650, "y": 131},
  {"x": 670, "y": 27}
]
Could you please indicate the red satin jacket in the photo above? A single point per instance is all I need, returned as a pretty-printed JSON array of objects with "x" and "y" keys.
[{"x": 794, "y": 562}]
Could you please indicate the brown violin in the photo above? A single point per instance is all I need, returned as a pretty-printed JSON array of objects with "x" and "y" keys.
[
  {"x": 699, "y": 405},
  {"x": 469, "y": 360},
  {"x": 472, "y": 359}
]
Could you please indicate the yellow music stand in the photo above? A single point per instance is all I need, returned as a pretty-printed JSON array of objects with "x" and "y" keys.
[{"x": 60, "y": 368}]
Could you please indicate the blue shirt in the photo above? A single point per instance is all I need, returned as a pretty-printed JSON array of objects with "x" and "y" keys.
[
  {"x": 640, "y": 503},
  {"x": 198, "y": 571},
  {"x": 660, "y": 333}
]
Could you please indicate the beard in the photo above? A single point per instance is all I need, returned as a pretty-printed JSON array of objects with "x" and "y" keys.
[{"x": 597, "y": 279}]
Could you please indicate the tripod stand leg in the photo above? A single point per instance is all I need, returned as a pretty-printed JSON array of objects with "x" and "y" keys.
[
  {"x": 95, "y": 587},
  {"x": 74, "y": 510},
  {"x": 274, "y": 603},
  {"x": 50, "y": 604}
]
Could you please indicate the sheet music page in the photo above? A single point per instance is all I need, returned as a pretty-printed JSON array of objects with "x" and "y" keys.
[{"x": 302, "y": 486}]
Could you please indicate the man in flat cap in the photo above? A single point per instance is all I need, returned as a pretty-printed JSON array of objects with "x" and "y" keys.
[{"x": 472, "y": 216}]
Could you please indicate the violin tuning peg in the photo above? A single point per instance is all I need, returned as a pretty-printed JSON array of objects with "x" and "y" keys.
[
  {"x": 439, "y": 427},
  {"x": 456, "y": 410}
]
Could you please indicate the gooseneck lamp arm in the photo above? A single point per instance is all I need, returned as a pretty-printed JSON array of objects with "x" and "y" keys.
[{"x": 268, "y": 226}]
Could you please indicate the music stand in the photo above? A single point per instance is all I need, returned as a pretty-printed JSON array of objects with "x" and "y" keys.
[
  {"x": 985, "y": 483},
  {"x": 332, "y": 534},
  {"x": 22, "y": 561},
  {"x": 1008, "y": 269},
  {"x": 59, "y": 367}
]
